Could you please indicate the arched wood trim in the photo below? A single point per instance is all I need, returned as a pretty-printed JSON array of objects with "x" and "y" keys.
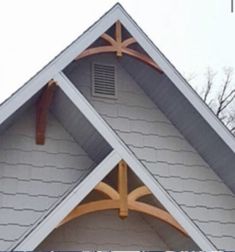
[
  {"x": 91, "y": 207},
  {"x": 120, "y": 47},
  {"x": 102, "y": 205},
  {"x": 107, "y": 190},
  {"x": 96, "y": 50},
  {"x": 122, "y": 201},
  {"x": 155, "y": 212},
  {"x": 109, "y": 39},
  {"x": 142, "y": 57},
  {"x": 128, "y": 42},
  {"x": 138, "y": 193}
]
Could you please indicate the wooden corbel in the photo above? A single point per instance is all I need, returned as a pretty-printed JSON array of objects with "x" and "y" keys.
[{"x": 42, "y": 108}]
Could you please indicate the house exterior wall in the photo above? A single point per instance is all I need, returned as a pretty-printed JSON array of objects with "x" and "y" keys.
[
  {"x": 33, "y": 178},
  {"x": 104, "y": 231},
  {"x": 161, "y": 148}
]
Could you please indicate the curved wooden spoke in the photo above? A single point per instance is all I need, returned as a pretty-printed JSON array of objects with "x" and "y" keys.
[
  {"x": 107, "y": 190},
  {"x": 119, "y": 47},
  {"x": 122, "y": 201},
  {"x": 138, "y": 193},
  {"x": 155, "y": 212},
  {"x": 109, "y": 39},
  {"x": 91, "y": 207},
  {"x": 141, "y": 57},
  {"x": 96, "y": 50},
  {"x": 128, "y": 42}
]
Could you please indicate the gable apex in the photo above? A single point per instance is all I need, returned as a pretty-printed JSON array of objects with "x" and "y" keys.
[{"x": 178, "y": 89}]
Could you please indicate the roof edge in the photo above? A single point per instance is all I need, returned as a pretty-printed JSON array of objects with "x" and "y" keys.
[{"x": 34, "y": 237}]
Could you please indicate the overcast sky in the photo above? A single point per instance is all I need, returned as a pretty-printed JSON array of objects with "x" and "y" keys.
[{"x": 193, "y": 34}]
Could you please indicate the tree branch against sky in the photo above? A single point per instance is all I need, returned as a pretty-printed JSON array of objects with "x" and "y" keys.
[
  {"x": 219, "y": 95},
  {"x": 193, "y": 34}
]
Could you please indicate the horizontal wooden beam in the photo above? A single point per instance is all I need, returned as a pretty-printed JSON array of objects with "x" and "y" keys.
[{"x": 42, "y": 108}]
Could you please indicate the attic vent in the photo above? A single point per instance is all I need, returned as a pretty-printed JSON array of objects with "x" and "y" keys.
[{"x": 104, "y": 81}]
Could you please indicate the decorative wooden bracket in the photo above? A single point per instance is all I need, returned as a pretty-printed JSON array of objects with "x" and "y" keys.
[
  {"x": 42, "y": 108},
  {"x": 123, "y": 201},
  {"x": 120, "y": 47}
]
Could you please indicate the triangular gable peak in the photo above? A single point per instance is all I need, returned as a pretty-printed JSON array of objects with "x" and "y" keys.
[
  {"x": 205, "y": 117},
  {"x": 120, "y": 190},
  {"x": 122, "y": 200},
  {"x": 121, "y": 151}
]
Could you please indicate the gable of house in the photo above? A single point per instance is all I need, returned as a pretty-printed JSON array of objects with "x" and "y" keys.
[
  {"x": 163, "y": 150},
  {"x": 147, "y": 124}
]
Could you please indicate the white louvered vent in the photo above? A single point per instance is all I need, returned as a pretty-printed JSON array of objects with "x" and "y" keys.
[{"x": 104, "y": 81}]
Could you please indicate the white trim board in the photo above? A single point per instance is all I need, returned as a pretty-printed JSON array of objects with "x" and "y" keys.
[
  {"x": 67, "y": 205},
  {"x": 80, "y": 44},
  {"x": 120, "y": 152},
  {"x": 103, "y": 128},
  {"x": 58, "y": 64}
]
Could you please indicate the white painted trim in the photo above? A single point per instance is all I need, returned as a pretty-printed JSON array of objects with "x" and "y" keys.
[
  {"x": 177, "y": 79},
  {"x": 64, "y": 58},
  {"x": 31, "y": 87},
  {"x": 37, "y": 82},
  {"x": 159, "y": 192},
  {"x": 24, "y": 94},
  {"x": 67, "y": 205}
]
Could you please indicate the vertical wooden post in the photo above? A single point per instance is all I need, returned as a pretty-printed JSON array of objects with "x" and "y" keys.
[
  {"x": 118, "y": 33},
  {"x": 123, "y": 189}
]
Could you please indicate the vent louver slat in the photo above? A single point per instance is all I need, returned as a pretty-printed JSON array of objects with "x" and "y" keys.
[{"x": 104, "y": 81}]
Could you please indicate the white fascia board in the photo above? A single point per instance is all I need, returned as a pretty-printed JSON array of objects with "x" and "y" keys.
[
  {"x": 86, "y": 39},
  {"x": 80, "y": 44},
  {"x": 67, "y": 205},
  {"x": 24, "y": 94},
  {"x": 109, "y": 135},
  {"x": 59, "y": 63},
  {"x": 177, "y": 79}
]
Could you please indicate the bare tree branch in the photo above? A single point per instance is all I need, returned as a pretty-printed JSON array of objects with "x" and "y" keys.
[
  {"x": 223, "y": 99},
  {"x": 210, "y": 75},
  {"x": 220, "y": 100}
]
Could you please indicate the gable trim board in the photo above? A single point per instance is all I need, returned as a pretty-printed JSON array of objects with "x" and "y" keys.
[
  {"x": 124, "y": 153},
  {"x": 50, "y": 222},
  {"x": 88, "y": 37},
  {"x": 52, "y": 70}
]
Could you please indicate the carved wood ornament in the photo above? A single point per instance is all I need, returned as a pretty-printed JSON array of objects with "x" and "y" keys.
[
  {"x": 42, "y": 108},
  {"x": 122, "y": 201},
  {"x": 119, "y": 47}
]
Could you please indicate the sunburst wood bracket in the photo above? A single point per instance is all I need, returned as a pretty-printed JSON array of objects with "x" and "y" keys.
[
  {"x": 122, "y": 201},
  {"x": 119, "y": 47},
  {"x": 42, "y": 107}
]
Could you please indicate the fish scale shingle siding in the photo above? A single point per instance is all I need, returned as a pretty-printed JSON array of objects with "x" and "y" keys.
[
  {"x": 34, "y": 177},
  {"x": 104, "y": 231},
  {"x": 164, "y": 152}
]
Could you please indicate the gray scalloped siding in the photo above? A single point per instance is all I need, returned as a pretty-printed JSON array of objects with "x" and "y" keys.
[
  {"x": 33, "y": 177},
  {"x": 105, "y": 231},
  {"x": 164, "y": 152}
]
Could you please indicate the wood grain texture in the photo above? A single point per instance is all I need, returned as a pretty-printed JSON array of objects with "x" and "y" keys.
[
  {"x": 42, "y": 109},
  {"x": 120, "y": 47}
]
